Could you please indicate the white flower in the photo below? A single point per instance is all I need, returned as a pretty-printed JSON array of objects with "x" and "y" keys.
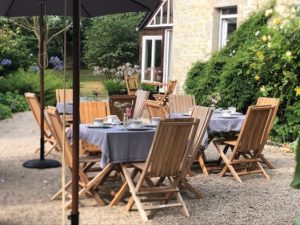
[
  {"x": 288, "y": 53},
  {"x": 257, "y": 33},
  {"x": 268, "y": 12},
  {"x": 265, "y": 38}
]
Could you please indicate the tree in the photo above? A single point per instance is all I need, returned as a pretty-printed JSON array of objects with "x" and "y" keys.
[
  {"x": 54, "y": 27},
  {"x": 112, "y": 40}
]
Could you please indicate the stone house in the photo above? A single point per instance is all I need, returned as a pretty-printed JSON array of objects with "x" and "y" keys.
[{"x": 181, "y": 32}]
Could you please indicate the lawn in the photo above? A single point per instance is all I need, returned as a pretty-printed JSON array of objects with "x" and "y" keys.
[{"x": 89, "y": 83}]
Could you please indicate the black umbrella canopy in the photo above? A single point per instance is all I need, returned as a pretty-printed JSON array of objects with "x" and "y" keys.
[
  {"x": 89, "y": 8},
  {"x": 75, "y": 8}
]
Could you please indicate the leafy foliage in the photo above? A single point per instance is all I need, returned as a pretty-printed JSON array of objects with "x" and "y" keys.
[
  {"x": 260, "y": 59},
  {"x": 22, "y": 81},
  {"x": 4, "y": 111},
  {"x": 14, "y": 101},
  {"x": 112, "y": 40},
  {"x": 115, "y": 87},
  {"x": 13, "y": 48}
]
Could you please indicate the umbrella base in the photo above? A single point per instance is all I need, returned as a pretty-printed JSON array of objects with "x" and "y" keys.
[{"x": 41, "y": 164}]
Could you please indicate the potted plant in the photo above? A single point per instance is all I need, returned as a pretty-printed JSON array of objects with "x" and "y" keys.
[{"x": 115, "y": 87}]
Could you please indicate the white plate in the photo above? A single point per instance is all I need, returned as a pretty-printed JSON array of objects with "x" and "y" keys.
[
  {"x": 150, "y": 125},
  {"x": 138, "y": 129},
  {"x": 102, "y": 126},
  {"x": 229, "y": 117},
  {"x": 236, "y": 114}
]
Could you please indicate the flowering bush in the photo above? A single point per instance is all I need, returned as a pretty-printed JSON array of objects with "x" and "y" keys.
[
  {"x": 13, "y": 51},
  {"x": 262, "y": 58},
  {"x": 56, "y": 63},
  {"x": 119, "y": 73}
]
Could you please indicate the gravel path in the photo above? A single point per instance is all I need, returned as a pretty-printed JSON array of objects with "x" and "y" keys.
[{"x": 25, "y": 193}]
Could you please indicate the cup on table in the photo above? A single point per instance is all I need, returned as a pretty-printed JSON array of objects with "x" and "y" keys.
[
  {"x": 226, "y": 113},
  {"x": 190, "y": 110},
  {"x": 155, "y": 121},
  {"x": 232, "y": 110},
  {"x": 98, "y": 121},
  {"x": 136, "y": 124},
  {"x": 113, "y": 119}
]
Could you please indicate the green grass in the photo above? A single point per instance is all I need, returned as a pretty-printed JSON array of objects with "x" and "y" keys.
[{"x": 89, "y": 83}]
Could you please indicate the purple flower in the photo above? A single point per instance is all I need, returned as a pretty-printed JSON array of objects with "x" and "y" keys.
[{"x": 6, "y": 62}]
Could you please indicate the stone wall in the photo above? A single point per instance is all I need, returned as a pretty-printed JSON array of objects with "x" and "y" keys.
[{"x": 196, "y": 26}]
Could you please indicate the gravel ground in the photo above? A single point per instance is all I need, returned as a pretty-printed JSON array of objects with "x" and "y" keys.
[{"x": 25, "y": 193}]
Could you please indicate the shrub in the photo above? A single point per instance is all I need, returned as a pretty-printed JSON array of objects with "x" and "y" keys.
[
  {"x": 4, "y": 111},
  {"x": 23, "y": 81},
  {"x": 260, "y": 59},
  {"x": 15, "y": 101},
  {"x": 14, "y": 53},
  {"x": 115, "y": 87}
]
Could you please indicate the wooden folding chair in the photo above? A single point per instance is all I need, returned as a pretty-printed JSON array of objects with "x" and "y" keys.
[
  {"x": 119, "y": 103},
  {"x": 69, "y": 98},
  {"x": 181, "y": 103},
  {"x": 168, "y": 157},
  {"x": 88, "y": 184},
  {"x": 88, "y": 112},
  {"x": 204, "y": 114},
  {"x": 273, "y": 102},
  {"x": 35, "y": 107},
  {"x": 141, "y": 97},
  {"x": 156, "y": 109},
  {"x": 132, "y": 84},
  {"x": 60, "y": 95},
  {"x": 249, "y": 145},
  {"x": 163, "y": 98}
]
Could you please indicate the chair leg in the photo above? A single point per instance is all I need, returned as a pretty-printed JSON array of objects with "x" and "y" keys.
[
  {"x": 267, "y": 162},
  {"x": 55, "y": 196},
  {"x": 184, "y": 209},
  {"x": 202, "y": 164},
  {"x": 263, "y": 171},
  {"x": 227, "y": 162},
  {"x": 119, "y": 195},
  {"x": 133, "y": 193},
  {"x": 191, "y": 188}
]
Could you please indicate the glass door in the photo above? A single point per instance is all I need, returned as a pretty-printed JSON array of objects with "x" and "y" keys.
[{"x": 152, "y": 59}]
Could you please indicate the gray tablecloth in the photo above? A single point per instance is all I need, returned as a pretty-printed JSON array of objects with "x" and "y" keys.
[
  {"x": 60, "y": 107},
  {"x": 225, "y": 124},
  {"x": 218, "y": 123},
  {"x": 118, "y": 145}
]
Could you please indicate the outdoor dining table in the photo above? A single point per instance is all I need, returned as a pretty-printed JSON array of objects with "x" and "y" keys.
[
  {"x": 118, "y": 145},
  {"x": 218, "y": 123}
]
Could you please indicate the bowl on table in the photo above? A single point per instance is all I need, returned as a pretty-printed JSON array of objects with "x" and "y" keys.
[
  {"x": 136, "y": 124},
  {"x": 98, "y": 122}
]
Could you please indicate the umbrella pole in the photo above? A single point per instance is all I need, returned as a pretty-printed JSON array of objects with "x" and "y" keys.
[
  {"x": 74, "y": 217},
  {"x": 42, "y": 163}
]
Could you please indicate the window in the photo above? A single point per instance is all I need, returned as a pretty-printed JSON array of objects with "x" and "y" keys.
[
  {"x": 163, "y": 16},
  {"x": 228, "y": 24},
  {"x": 152, "y": 59}
]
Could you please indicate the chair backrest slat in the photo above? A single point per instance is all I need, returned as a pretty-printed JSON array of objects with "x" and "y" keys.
[
  {"x": 269, "y": 101},
  {"x": 35, "y": 107},
  {"x": 204, "y": 114},
  {"x": 254, "y": 131},
  {"x": 60, "y": 95},
  {"x": 91, "y": 110},
  {"x": 156, "y": 109},
  {"x": 59, "y": 134},
  {"x": 181, "y": 103},
  {"x": 171, "y": 142},
  {"x": 141, "y": 97}
]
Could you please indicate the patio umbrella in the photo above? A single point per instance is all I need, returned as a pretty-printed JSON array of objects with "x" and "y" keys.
[{"x": 76, "y": 8}]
